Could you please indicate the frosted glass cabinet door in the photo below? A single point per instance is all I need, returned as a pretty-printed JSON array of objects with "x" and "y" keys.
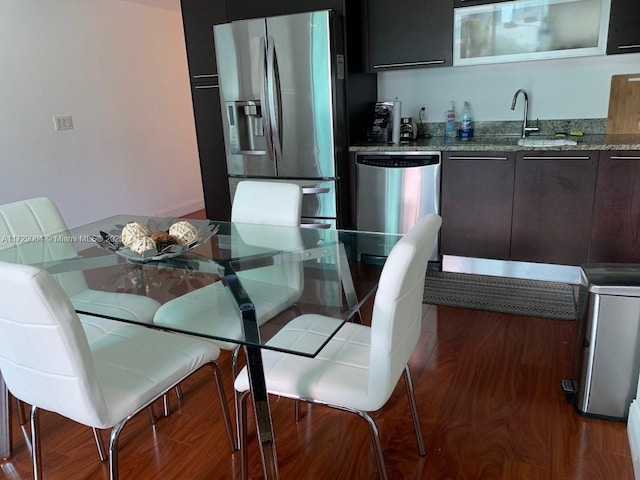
[{"x": 530, "y": 30}]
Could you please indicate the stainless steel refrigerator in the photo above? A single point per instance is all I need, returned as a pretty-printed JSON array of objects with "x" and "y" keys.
[{"x": 282, "y": 91}]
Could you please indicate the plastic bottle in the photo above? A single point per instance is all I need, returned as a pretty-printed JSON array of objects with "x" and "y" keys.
[
  {"x": 450, "y": 123},
  {"x": 466, "y": 130}
]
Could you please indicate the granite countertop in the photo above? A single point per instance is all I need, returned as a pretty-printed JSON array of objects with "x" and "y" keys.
[{"x": 504, "y": 143}]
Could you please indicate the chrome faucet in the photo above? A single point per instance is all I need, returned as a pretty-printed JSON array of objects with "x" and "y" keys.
[{"x": 525, "y": 128}]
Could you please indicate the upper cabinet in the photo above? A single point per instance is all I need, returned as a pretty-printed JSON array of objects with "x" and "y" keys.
[
  {"x": 409, "y": 34},
  {"x": 198, "y": 18},
  {"x": 529, "y": 30},
  {"x": 624, "y": 27},
  {"x": 243, "y": 9}
]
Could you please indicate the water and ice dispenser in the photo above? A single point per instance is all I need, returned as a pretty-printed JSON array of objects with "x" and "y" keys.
[{"x": 246, "y": 128}]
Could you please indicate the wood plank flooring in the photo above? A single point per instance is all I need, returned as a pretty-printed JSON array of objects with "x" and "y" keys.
[{"x": 491, "y": 407}]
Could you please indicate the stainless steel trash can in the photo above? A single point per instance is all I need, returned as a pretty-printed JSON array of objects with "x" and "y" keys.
[{"x": 607, "y": 361}]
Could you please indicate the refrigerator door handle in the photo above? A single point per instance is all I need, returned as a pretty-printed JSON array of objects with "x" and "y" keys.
[
  {"x": 273, "y": 97},
  {"x": 263, "y": 99},
  {"x": 312, "y": 190}
]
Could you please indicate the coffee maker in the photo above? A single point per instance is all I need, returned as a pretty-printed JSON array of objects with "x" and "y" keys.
[{"x": 408, "y": 129}]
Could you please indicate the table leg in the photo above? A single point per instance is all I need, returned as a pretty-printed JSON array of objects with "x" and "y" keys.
[
  {"x": 257, "y": 382},
  {"x": 347, "y": 281},
  {"x": 5, "y": 420},
  {"x": 262, "y": 412}
]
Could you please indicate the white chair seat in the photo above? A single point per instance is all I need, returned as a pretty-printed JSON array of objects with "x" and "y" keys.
[
  {"x": 125, "y": 306},
  {"x": 212, "y": 309},
  {"x": 95, "y": 327},
  {"x": 338, "y": 375},
  {"x": 135, "y": 364}
]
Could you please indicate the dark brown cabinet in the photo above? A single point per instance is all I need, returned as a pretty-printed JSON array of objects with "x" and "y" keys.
[
  {"x": 243, "y": 9},
  {"x": 409, "y": 34},
  {"x": 477, "y": 199},
  {"x": 615, "y": 235},
  {"x": 552, "y": 206},
  {"x": 624, "y": 27},
  {"x": 198, "y": 19}
]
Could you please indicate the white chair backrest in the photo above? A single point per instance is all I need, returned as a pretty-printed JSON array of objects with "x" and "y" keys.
[
  {"x": 44, "y": 353},
  {"x": 25, "y": 222},
  {"x": 397, "y": 309},
  {"x": 246, "y": 238},
  {"x": 267, "y": 203}
]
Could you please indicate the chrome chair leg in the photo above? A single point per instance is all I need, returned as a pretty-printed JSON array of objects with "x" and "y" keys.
[
  {"x": 296, "y": 410},
  {"x": 375, "y": 439},
  {"x": 179, "y": 393},
  {"x": 99, "y": 444},
  {"x": 242, "y": 430},
  {"x": 152, "y": 415},
  {"x": 223, "y": 405},
  {"x": 166, "y": 407},
  {"x": 236, "y": 396},
  {"x": 113, "y": 449},
  {"x": 36, "y": 456},
  {"x": 414, "y": 410}
]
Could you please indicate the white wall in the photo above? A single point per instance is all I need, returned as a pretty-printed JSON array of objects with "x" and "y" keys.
[
  {"x": 119, "y": 68},
  {"x": 558, "y": 89}
]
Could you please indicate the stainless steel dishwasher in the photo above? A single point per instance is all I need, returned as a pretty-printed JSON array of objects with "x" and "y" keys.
[{"x": 395, "y": 189}]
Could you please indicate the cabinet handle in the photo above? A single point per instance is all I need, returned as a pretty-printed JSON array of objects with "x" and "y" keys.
[
  {"x": 202, "y": 87},
  {"x": 409, "y": 64},
  {"x": 207, "y": 75},
  {"x": 624, "y": 158},
  {"x": 556, "y": 158},
  {"x": 622, "y": 47},
  {"x": 478, "y": 158}
]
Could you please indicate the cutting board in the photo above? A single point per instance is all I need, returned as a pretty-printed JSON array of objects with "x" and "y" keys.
[{"x": 624, "y": 104}]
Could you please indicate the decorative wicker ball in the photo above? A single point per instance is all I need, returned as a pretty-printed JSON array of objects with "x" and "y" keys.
[
  {"x": 142, "y": 244},
  {"x": 133, "y": 231},
  {"x": 183, "y": 232}
]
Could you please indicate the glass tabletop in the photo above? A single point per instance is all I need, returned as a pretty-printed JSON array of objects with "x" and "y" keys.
[{"x": 278, "y": 272}]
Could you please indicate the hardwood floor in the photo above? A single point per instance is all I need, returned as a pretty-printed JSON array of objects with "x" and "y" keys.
[{"x": 491, "y": 407}]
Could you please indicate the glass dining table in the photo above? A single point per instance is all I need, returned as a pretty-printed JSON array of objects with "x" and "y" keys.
[{"x": 291, "y": 270}]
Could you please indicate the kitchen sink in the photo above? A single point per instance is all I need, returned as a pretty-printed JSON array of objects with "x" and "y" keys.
[{"x": 545, "y": 142}]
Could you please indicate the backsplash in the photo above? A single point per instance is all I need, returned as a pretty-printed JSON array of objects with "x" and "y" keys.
[{"x": 592, "y": 126}]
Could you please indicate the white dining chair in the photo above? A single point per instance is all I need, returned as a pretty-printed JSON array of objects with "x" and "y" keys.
[
  {"x": 272, "y": 288},
  {"x": 47, "y": 361},
  {"x": 32, "y": 223},
  {"x": 359, "y": 368}
]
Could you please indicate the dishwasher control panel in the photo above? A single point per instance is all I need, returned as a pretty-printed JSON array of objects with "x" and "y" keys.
[{"x": 398, "y": 160}]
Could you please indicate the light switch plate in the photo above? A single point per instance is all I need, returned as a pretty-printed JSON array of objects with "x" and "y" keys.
[{"x": 63, "y": 122}]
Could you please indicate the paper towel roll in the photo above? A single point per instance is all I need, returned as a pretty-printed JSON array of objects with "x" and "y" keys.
[{"x": 395, "y": 128}]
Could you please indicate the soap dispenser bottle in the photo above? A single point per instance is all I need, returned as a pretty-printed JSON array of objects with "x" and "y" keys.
[{"x": 450, "y": 123}]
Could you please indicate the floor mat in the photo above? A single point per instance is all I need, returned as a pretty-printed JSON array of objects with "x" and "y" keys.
[{"x": 499, "y": 294}]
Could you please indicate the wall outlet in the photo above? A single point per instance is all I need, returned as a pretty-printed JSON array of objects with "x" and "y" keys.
[{"x": 63, "y": 122}]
